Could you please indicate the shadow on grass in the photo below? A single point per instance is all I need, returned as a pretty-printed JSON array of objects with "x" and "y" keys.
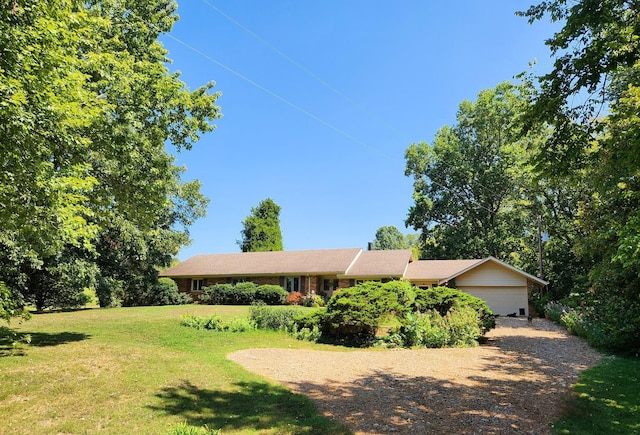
[
  {"x": 12, "y": 343},
  {"x": 251, "y": 406},
  {"x": 606, "y": 400}
]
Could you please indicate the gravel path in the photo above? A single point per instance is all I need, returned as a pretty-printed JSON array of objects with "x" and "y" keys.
[{"x": 516, "y": 383}]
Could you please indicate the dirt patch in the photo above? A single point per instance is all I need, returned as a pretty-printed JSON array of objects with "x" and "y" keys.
[{"x": 516, "y": 382}]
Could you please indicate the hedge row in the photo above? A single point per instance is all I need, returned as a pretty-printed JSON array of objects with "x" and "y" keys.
[{"x": 243, "y": 293}]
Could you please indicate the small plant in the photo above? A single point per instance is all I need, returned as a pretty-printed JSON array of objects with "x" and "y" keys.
[
  {"x": 554, "y": 310},
  {"x": 295, "y": 298},
  {"x": 213, "y": 323},
  {"x": 313, "y": 301},
  {"x": 274, "y": 318},
  {"x": 185, "y": 429}
]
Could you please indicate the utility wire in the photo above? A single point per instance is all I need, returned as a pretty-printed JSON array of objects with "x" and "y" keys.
[{"x": 307, "y": 71}]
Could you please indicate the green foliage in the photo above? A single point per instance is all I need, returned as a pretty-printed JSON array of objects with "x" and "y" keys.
[
  {"x": 274, "y": 318},
  {"x": 185, "y": 429},
  {"x": 166, "y": 293},
  {"x": 9, "y": 307},
  {"x": 261, "y": 229},
  {"x": 215, "y": 323},
  {"x": 444, "y": 299},
  {"x": 355, "y": 313},
  {"x": 607, "y": 400},
  {"x": 313, "y": 301},
  {"x": 271, "y": 294},
  {"x": 597, "y": 55},
  {"x": 243, "y": 293},
  {"x": 459, "y": 327},
  {"x": 390, "y": 237},
  {"x": 470, "y": 183},
  {"x": 91, "y": 193}
]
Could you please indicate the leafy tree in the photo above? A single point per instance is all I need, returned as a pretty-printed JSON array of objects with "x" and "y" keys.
[
  {"x": 598, "y": 63},
  {"x": 261, "y": 229},
  {"x": 471, "y": 185},
  {"x": 87, "y": 106},
  {"x": 389, "y": 237}
]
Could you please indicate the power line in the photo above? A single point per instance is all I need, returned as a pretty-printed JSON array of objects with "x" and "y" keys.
[{"x": 307, "y": 71}]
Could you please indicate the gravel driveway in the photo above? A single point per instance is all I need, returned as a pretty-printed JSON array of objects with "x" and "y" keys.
[{"x": 516, "y": 383}]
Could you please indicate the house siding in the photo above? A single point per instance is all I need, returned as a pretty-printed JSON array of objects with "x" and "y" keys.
[{"x": 491, "y": 274}]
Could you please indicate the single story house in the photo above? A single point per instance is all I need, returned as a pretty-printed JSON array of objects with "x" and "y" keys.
[{"x": 504, "y": 287}]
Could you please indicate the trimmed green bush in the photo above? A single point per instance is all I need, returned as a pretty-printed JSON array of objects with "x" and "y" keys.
[
  {"x": 443, "y": 299},
  {"x": 271, "y": 294},
  {"x": 166, "y": 293}
]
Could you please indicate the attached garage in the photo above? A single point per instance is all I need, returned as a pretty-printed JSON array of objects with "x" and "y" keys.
[{"x": 504, "y": 287}]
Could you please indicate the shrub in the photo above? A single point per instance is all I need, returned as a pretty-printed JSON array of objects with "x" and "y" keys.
[
  {"x": 310, "y": 320},
  {"x": 166, "y": 293},
  {"x": 243, "y": 293},
  {"x": 216, "y": 294},
  {"x": 295, "y": 298},
  {"x": 271, "y": 294},
  {"x": 464, "y": 326},
  {"x": 406, "y": 292},
  {"x": 185, "y": 429},
  {"x": 213, "y": 322},
  {"x": 354, "y": 313},
  {"x": 442, "y": 299},
  {"x": 274, "y": 318},
  {"x": 554, "y": 310},
  {"x": 109, "y": 291},
  {"x": 313, "y": 301}
]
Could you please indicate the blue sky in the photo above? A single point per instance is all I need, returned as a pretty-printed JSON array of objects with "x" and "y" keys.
[{"x": 321, "y": 99}]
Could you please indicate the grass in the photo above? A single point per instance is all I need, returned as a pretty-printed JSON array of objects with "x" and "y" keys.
[
  {"x": 606, "y": 400},
  {"x": 137, "y": 370}
]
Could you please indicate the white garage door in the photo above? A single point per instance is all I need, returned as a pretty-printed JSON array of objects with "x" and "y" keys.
[{"x": 502, "y": 300}]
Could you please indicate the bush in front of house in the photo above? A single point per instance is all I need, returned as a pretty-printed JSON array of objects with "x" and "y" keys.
[
  {"x": 166, "y": 293},
  {"x": 459, "y": 327},
  {"x": 354, "y": 314},
  {"x": 295, "y": 298},
  {"x": 243, "y": 293},
  {"x": 271, "y": 294},
  {"x": 443, "y": 299},
  {"x": 274, "y": 318}
]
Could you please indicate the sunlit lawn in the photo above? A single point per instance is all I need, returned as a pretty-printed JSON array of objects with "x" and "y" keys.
[
  {"x": 138, "y": 371},
  {"x": 607, "y": 400}
]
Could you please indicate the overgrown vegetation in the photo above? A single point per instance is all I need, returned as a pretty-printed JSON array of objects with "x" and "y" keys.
[{"x": 354, "y": 316}]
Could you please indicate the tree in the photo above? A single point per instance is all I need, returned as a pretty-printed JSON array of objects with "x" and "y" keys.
[
  {"x": 471, "y": 185},
  {"x": 261, "y": 229},
  {"x": 598, "y": 55},
  {"x": 389, "y": 237},
  {"x": 87, "y": 107}
]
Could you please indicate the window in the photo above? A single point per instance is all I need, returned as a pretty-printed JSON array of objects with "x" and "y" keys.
[
  {"x": 196, "y": 285},
  {"x": 292, "y": 283}
]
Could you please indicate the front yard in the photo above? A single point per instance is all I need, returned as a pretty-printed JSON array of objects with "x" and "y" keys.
[{"x": 136, "y": 370}]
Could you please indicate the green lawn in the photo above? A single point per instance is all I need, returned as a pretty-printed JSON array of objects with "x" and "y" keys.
[
  {"x": 137, "y": 371},
  {"x": 606, "y": 400}
]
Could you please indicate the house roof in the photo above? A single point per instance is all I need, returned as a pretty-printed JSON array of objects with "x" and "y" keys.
[
  {"x": 329, "y": 261},
  {"x": 345, "y": 263},
  {"x": 380, "y": 264},
  {"x": 437, "y": 270}
]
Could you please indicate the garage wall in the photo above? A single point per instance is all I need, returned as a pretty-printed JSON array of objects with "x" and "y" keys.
[
  {"x": 504, "y": 290},
  {"x": 491, "y": 274},
  {"x": 501, "y": 300}
]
